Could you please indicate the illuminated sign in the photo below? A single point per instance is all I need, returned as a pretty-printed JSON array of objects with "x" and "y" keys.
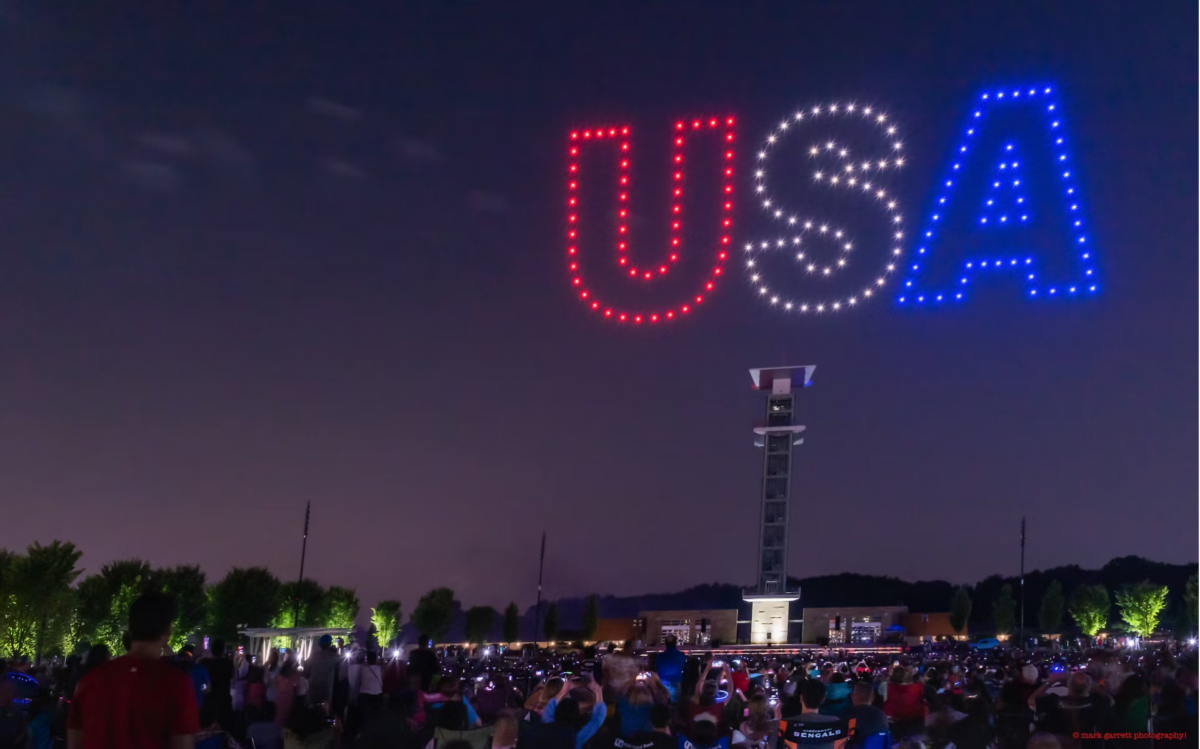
[{"x": 983, "y": 221}]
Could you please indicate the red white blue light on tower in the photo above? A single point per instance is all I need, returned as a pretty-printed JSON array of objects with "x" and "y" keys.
[{"x": 644, "y": 272}]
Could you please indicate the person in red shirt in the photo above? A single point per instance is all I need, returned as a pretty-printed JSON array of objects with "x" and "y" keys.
[
  {"x": 137, "y": 701},
  {"x": 905, "y": 703},
  {"x": 741, "y": 678}
]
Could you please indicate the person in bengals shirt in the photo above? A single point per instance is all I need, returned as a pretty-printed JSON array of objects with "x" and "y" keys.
[
  {"x": 810, "y": 729},
  {"x": 137, "y": 701}
]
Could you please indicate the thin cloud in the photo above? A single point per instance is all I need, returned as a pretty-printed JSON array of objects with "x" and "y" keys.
[
  {"x": 229, "y": 156},
  {"x": 487, "y": 202},
  {"x": 151, "y": 175},
  {"x": 330, "y": 108},
  {"x": 416, "y": 151},
  {"x": 167, "y": 144},
  {"x": 341, "y": 168}
]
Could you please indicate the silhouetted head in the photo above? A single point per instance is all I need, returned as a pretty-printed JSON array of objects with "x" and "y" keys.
[
  {"x": 812, "y": 693},
  {"x": 150, "y": 618}
]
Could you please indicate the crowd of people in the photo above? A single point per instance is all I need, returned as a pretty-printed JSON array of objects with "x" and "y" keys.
[{"x": 619, "y": 698}]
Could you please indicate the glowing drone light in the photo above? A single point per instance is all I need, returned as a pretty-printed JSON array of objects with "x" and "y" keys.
[
  {"x": 1006, "y": 182},
  {"x": 836, "y": 177},
  {"x": 653, "y": 271},
  {"x": 1006, "y": 208}
]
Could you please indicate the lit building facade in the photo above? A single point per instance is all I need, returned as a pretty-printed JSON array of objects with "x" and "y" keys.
[
  {"x": 854, "y": 625},
  {"x": 874, "y": 625},
  {"x": 770, "y": 602},
  {"x": 696, "y": 628},
  {"x": 620, "y": 631}
]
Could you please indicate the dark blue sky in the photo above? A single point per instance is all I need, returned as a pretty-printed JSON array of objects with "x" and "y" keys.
[{"x": 263, "y": 253}]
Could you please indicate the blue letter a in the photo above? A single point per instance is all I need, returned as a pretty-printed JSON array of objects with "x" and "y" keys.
[{"x": 1010, "y": 207}]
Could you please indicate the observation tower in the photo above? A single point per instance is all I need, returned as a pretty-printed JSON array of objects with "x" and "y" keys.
[{"x": 770, "y": 602}]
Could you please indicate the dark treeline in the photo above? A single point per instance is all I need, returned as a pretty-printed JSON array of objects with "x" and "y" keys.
[
  {"x": 47, "y": 606},
  {"x": 849, "y": 589}
]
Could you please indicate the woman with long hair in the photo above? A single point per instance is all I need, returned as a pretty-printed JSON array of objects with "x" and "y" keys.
[
  {"x": 633, "y": 709},
  {"x": 270, "y": 673},
  {"x": 760, "y": 725},
  {"x": 1131, "y": 706},
  {"x": 285, "y": 682}
]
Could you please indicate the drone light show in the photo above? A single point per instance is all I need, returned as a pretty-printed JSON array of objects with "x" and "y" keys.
[
  {"x": 1009, "y": 207},
  {"x": 617, "y": 138}
]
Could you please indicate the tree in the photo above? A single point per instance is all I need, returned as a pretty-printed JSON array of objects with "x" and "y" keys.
[
  {"x": 39, "y": 594},
  {"x": 1050, "y": 615},
  {"x": 186, "y": 584},
  {"x": 960, "y": 609},
  {"x": 512, "y": 623},
  {"x": 122, "y": 582},
  {"x": 1189, "y": 604},
  {"x": 341, "y": 605},
  {"x": 386, "y": 618},
  {"x": 1004, "y": 611},
  {"x": 245, "y": 597},
  {"x": 1141, "y": 606},
  {"x": 435, "y": 613},
  {"x": 591, "y": 616},
  {"x": 93, "y": 601},
  {"x": 8, "y": 613},
  {"x": 550, "y": 623},
  {"x": 1089, "y": 608},
  {"x": 305, "y": 598},
  {"x": 478, "y": 623}
]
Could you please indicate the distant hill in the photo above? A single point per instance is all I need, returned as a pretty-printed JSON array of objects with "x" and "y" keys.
[{"x": 850, "y": 589}]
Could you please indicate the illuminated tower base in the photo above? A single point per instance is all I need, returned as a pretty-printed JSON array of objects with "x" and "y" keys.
[{"x": 770, "y": 603}]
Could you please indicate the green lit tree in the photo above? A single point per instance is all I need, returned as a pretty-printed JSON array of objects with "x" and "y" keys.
[
  {"x": 1004, "y": 611},
  {"x": 550, "y": 623},
  {"x": 434, "y": 613},
  {"x": 245, "y": 597},
  {"x": 121, "y": 582},
  {"x": 93, "y": 601},
  {"x": 512, "y": 623},
  {"x": 1141, "y": 605},
  {"x": 8, "y": 610},
  {"x": 1189, "y": 605},
  {"x": 111, "y": 631},
  {"x": 1050, "y": 614},
  {"x": 306, "y": 598},
  {"x": 1089, "y": 608},
  {"x": 960, "y": 609},
  {"x": 341, "y": 605},
  {"x": 478, "y": 623},
  {"x": 186, "y": 584},
  {"x": 38, "y": 595},
  {"x": 386, "y": 618},
  {"x": 591, "y": 616}
]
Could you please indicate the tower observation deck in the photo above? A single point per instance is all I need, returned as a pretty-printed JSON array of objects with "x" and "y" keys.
[{"x": 777, "y": 435}]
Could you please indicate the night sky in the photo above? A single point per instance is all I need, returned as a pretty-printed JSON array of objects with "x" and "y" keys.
[{"x": 263, "y": 253}]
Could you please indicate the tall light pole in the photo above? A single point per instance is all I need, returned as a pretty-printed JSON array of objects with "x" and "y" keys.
[
  {"x": 1022, "y": 628},
  {"x": 537, "y": 616},
  {"x": 303, "y": 552}
]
